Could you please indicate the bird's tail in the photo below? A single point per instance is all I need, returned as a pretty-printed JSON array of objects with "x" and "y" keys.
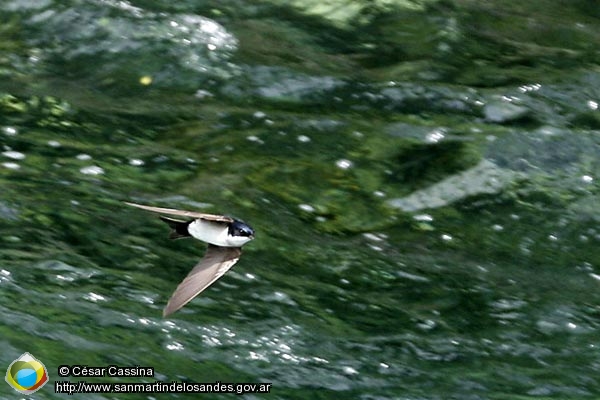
[{"x": 179, "y": 229}]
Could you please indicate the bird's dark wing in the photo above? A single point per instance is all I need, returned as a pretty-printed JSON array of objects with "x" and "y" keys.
[
  {"x": 183, "y": 213},
  {"x": 215, "y": 263}
]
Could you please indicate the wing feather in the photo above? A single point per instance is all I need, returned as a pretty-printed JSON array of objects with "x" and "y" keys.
[
  {"x": 215, "y": 263},
  {"x": 183, "y": 213}
]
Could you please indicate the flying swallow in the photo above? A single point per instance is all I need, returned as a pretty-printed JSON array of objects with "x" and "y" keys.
[{"x": 225, "y": 237}]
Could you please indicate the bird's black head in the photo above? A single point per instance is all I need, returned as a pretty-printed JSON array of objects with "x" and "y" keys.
[{"x": 239, "y": 228}]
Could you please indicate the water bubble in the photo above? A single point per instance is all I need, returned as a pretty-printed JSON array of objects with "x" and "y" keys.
[
  {"x": 254, "y": 356},
  {"x": 136, "y": 162},
  {"x": 435, "y": 136},
  {"x": 254, "y": 138},
  {"x": 11, "y": 165},
  {"x": 595, "y": 276},
  {"x": 587, "y": 178},
  {"x": 306, "y": 207},
  {"x": 423, "y": 217},
  {"x": 92, "y": 170},
  {"x": 373, "y": 237},
  {"x": 15, "y": 155},
  {"x": 530, "y": 88},
  {"x": 9, "y": 130},
  {"x": 375, "y": 248},
  {"x": 343, "y": 163},
  {"x": 91, "y": 296},
  {"x": 202, "y": 94},
  {"x": 174, "y": 346},
  {"x": 83, "y": 157},
  {"x": 349, "y": 371},
  {"x": 426, "y": 325}
]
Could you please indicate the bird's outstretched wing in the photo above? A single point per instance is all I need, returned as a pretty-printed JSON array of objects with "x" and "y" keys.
[
  {"x": 215, "y": 263},
  {"x": 183, "y": 213}
]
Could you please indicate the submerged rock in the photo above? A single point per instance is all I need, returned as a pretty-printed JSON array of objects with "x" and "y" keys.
[
  {"x": 502, "y": 112},
  {"x": 484, "y": 178}
]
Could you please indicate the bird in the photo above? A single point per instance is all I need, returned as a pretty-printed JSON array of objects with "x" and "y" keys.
[{"x": 225, "y": 237}]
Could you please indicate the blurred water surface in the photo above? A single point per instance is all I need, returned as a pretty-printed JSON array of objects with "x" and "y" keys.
[{"x": 422, "y": 176}]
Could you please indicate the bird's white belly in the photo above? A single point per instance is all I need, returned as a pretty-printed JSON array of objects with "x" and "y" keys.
[{"x": 210, "y": 232}]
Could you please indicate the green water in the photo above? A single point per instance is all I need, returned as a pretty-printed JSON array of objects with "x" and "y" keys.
[{"x": 422, "y": 176}]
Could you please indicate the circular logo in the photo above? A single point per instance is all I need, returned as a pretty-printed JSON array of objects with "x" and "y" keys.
[{"x": 26, "y": 374}]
